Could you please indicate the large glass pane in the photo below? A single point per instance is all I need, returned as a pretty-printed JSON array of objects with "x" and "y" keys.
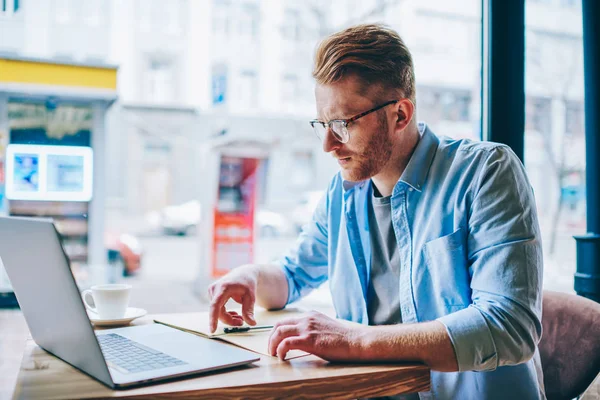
[
  {"x": 205, "y": 87},
  {"x": 554, "y": 131}
]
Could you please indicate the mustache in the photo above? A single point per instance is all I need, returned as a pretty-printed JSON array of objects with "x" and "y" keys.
[{"x": 338, "y": 156}]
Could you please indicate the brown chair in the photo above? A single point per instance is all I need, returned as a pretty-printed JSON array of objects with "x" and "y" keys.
[{"x": 570, "y": 344}]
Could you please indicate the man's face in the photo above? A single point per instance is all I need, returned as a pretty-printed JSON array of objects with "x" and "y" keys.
[{"x": 370, "y": 146}]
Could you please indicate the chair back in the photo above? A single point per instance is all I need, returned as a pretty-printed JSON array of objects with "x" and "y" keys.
[{"x": 570, "y": 344}]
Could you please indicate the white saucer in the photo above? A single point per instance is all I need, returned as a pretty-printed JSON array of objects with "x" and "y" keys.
[{"x": 131, "y": 314}]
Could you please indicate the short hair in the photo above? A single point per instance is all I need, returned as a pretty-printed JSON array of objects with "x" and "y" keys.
[{"x": 373, "y": 52}]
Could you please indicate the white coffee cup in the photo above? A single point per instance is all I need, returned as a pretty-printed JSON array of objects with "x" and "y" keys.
[{"x": 110, "y": 300}]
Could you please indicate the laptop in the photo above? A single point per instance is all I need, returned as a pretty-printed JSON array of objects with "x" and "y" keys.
[{"x": 40, "y": 274}]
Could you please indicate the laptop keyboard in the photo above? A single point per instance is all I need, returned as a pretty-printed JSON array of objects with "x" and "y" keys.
[{"x": 129, "y": 356}]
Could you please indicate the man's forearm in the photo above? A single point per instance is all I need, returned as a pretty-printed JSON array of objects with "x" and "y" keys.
[
  {"x": 426, "y": 342},
  {"x": 272, "y": 286}
]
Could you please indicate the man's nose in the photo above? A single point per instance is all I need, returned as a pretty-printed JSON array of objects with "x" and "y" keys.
[{"x": 330, "y": 142}]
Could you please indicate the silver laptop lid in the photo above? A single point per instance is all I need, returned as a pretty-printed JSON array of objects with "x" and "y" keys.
[{"x": 41, "y": 277}]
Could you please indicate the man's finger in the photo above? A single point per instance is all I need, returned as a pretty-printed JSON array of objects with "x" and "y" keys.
[
  {"x": 292, "y": 343},
  {"x": 237, "y": 318},
  {"x": 216, "y": 306},
  {"x": 279, "y": 334},
  {"x": 227, "y": 318},
  {"x": 289, "y": 321},
  {"x": 248, "y": 308},
  {"x": 284, "y": 322}
]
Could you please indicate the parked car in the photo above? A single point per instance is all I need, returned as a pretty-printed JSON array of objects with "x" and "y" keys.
[
  {"x": 271, "y": 224},
  {"x": 125, "y": 251},
  {"x": 183, "y": 219},
  {"x": 303, "y": 212}
]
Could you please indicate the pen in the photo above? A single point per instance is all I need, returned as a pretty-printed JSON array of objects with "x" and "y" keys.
[{"x": 238, "y": 329}]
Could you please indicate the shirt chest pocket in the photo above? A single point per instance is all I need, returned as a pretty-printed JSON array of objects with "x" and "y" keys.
[{"x": 447, "y": 271}]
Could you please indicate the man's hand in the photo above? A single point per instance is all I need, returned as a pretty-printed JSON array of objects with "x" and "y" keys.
[
  {"x": 318, "y": 334},
  {"x": 239, "y": 285}
]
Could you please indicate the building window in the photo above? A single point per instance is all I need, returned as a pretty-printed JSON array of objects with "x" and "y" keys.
[
  {"x": 303, "y": 173},
  {"x": 249, "y": 20},
  {"x": 570, "y": 3},
  {"x": 144, "y": 14},
  {"x": 291, "y": 24},
  {"x": 440, "y": 104},
  {"x": 574, "y": 119},
  {"x": 220, "y": 23},
  {"x": 248, "y": 90},
  {"x": 63, "y": 11},
  {"x": 159, "y": 15},
  {"x": 537, "y": 115},
  {"x": 172, "y": 15},
  {"x": 93, "y": 12},
  {"x": 290, "y": 88},
  {"x": 160, "y": 81},
  {"x": 219, "y": 84},
  {"x": 221, "y": 17},
  {"x": 9, "y": 7}
]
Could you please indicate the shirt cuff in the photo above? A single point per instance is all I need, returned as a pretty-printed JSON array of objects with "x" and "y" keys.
[
  {"x": 293, "y": 294},
  {"x": 472, "y": 340}
]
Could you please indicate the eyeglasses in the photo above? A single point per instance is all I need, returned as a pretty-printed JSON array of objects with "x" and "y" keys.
[{"x": 339, "y": 127}]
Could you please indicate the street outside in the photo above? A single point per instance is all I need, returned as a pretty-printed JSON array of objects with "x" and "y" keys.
[{"x": 170, "y": 267}]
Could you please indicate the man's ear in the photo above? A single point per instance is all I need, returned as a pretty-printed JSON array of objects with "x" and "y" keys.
[{"x": 405, "y": 110}]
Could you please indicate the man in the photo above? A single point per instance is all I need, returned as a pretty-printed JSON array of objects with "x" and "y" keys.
[{"x": 431, "y": 245}]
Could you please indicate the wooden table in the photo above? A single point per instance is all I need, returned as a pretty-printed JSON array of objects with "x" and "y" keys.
[
  {"x": 13, "y": 335},
  {"x": 43, "y": 376}
]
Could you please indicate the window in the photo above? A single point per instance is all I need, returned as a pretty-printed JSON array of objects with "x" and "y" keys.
[
  {"x": 248, "y": 90},
  {"x": 93, "y": 12},
  {"x": 290, "y": 88},
  {"x": 221, "y": 16},
  {"x": 9, "y": 7},
  {"x": 63, "y": 11},
  {"x": 442, "y": 104},
  {"x": 160, "y": 81},
  {"x": 172, "y": 17},
  {"x": 144, "y": 15},
  {"x": 159, "y": 15},
  {"x": 220, "y": 24},
  {"x": 570, "y": 3},
  {"x": 538, "y": 115},
  {"x": 554, "y": 139},
  {"x": 303, "y": 172},
  {"x": 219, "y": 84},
  {"x": 574, "y": 125},
  {"x": 248, "y": 78},
  {"x": 249, "y": 20},
  {"x": 291, "y": 24},
  {"x": 448, "y": 97}
]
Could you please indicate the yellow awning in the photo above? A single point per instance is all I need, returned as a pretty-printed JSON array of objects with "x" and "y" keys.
[{"x": 32, "y": 72}]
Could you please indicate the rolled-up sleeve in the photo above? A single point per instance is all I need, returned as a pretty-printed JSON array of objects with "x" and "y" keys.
[
  {"x": 502, "y": 326},
  {"x": 305, "y": 266}
]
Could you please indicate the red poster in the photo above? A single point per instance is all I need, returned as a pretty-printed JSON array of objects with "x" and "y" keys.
[{"x": 233, "y": 234}]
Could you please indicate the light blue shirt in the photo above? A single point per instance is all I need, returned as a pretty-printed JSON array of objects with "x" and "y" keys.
[{"x": 467, "y": 229}]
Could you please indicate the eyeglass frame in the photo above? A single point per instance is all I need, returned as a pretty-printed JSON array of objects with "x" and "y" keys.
[{"x": 346, "y": 122}]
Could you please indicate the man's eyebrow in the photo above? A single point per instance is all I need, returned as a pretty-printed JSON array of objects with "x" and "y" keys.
[{"x": 344, "y": 114}]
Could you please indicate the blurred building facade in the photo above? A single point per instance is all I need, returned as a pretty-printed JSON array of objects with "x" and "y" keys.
[{"x": 190, "y": 70}]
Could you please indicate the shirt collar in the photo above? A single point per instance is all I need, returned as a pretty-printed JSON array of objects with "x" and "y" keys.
[
  {"x": 418, "y": 166},
  {"x": 416, "y": 171}
]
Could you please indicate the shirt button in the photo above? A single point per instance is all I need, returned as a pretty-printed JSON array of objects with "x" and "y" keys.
[{"x": 410, "y": 189}]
